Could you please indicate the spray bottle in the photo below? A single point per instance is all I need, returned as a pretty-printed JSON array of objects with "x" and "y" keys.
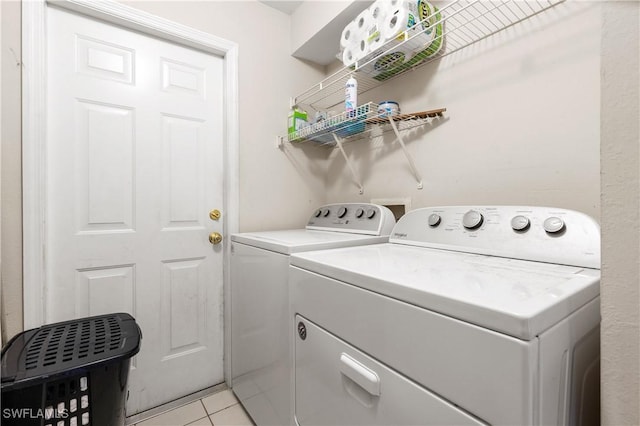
[{"x": 351, "y": 97}]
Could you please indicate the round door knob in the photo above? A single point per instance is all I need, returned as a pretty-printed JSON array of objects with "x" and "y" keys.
[
  {"x": 520, "y": 223},
  {"x": 215, "y": 238},
  {"x": 472, "y": 219},
  {"x": 342, "y": 212},
  {"x": 434, "y": 220},
  {"x": 553, "y": 225},
  {"x": 214, "y": 214}
]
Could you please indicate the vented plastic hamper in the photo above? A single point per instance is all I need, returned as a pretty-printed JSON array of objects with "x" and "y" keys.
[{"x": 71, "y": 373}]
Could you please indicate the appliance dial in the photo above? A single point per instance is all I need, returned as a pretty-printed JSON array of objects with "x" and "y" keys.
[
  {"x": 371, "y": 213},
  {"x": 359, "y": 213},
  {"x": 318, "y": 213},
  {"x": 520, "y": 223},
  {"x": 342, "y": 211},
  {"x": 325, "y": 212},
  {"x": 472, "y": 219},
  {"x": 434, "y": 220},
  {"x": 554, "y": 225}
]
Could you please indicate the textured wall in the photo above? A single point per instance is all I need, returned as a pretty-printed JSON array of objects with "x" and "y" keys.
[{"x": 620, "y": 159}]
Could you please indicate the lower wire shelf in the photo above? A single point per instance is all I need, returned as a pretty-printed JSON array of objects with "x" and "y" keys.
[{"x": 335, "y": 131}]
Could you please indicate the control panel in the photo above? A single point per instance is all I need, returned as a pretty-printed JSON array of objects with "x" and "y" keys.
[
  {"x": 521, "y": 232},
  {"x": 360, "y": 218}
]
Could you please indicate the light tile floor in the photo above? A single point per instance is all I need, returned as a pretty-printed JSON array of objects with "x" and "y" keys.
[{"x": 219, "y": 409}]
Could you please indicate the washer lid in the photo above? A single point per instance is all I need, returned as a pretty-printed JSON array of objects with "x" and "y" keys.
[
  {"x": 298, "y": 240},
  {"x": 515, "y": 297}
]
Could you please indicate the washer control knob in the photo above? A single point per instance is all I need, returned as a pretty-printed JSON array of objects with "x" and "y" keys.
[
  {"x": 342, "y": 211},
  {"x": 359, "y": 212},
  {"x": 554, "y": 225},
  {"x": 317, "y": 213},
  {"x": 472, "y": 219},
  {"x": 326, "y": 212},
  {"x": 520, "y": 223},
  {"x": 371, "y": 213},
  {"x": 434, "y": 220}
]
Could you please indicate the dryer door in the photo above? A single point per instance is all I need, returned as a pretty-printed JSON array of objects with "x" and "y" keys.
[{"x": 335, "y": 384}]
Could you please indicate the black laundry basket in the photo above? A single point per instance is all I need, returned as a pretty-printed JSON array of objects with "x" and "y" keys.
[{"x": 71, "y": 373}]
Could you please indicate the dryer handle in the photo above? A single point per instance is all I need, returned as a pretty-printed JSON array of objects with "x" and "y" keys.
[{"x": 366, "y": 378}]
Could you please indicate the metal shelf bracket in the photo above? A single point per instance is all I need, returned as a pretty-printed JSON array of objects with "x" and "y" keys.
[
  {"x": 349, "y": 163},
  {"x": 407, "y": 154}
]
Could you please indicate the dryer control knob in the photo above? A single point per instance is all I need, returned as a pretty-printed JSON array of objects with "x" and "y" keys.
[
  {"x": 434, "y": 220},
  {"x": 472, "y": 219},
  {"x": 359, "y": 213},
  {"x": 342, "y": 212},
  {"x": 520, "y": 223},
  {"x": 371, "y": 213},
  {"x": 318, "y": 213},
  {"x": 326, "y": 212},
  {"x": 554, "y": 225}
]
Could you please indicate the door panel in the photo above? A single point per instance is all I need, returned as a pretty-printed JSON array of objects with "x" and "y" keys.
[
  {"x": 182, "y": 78},
  {"x": 104, "y": 137},
  {"x": 183, "y": 154},
  {"x": 134, "y": 166},
  {"x": 183, "y": 294},
  {"x": 99, "y": 58},
  {"x": 105, "y": 290}
]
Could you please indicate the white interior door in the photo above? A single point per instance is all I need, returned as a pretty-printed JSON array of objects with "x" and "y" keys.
[{"x": 134, "y": 165}]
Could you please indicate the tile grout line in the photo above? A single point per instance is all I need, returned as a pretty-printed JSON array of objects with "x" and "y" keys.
[
  {"x": 205, "y": 411},
  {"x": 197, "y": 420},
  {"x": 206, "y": 416}
]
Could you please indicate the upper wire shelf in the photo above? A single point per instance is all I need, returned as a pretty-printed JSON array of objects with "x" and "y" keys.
[{"x": 464, "y": 22}]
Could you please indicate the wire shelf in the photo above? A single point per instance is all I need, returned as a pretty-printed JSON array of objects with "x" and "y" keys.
[
  {"x": 460, "y": 23},
  {"x": 336, "y": 134},
  {"x": 343, "y": 125},
  {"x": 367, "y": 122}
]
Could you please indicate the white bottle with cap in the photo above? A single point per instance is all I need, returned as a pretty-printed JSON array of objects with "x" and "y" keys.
[{"x": 351, "y": 97}]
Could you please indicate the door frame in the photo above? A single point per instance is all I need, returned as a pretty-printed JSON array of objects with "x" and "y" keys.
[{"x": 34, "y": 134}]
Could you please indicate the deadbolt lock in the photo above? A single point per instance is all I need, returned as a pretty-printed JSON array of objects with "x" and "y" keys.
[
  {"x": 215, "y": 238},
  {"x": 214, "y": 214}
]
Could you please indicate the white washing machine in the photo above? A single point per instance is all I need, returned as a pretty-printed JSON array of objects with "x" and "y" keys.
[
  {"x": 260, "y": 340},
  {"x": 469, "y": 315}
]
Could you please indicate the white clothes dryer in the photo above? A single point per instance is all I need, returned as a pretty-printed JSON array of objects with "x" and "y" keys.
[
  {"x": 260, "y": 340},
  {"x": 469, "y": 315}
]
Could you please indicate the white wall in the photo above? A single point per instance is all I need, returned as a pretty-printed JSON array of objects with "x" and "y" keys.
[
  {"x": 522, "y": 127},
  {"x": 10, "y": 178},
  {"x": 276, "y": 191},
  {"x": 310, "y": 17},
  {"x": 316, "y": 27},
  {"x": 620, "y": 158}
]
